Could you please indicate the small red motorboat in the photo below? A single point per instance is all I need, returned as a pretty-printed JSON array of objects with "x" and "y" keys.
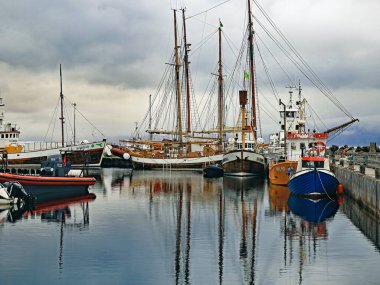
[{"x": 47, "y": 180}]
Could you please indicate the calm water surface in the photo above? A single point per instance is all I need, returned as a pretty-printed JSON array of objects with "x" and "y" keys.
[{"x": 155, "y": 227}]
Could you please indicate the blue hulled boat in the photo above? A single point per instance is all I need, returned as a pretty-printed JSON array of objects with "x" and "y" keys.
[{"x": 313, "y": 177}]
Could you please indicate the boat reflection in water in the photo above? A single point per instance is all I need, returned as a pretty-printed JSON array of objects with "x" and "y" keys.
[
  {"x": 314, "y": 211},
  {"x": 304, "y": 228},
  {"x": 246, "y": 194},
  {"x": 52, "y": 211},
  {"x": 278, "y": 198}
]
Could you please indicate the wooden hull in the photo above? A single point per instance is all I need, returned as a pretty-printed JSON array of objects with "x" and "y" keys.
[
  {"x": 279, "y": 173},
  {"x": 248, "y": 163},
  {"x": 76, "y": 154},
  {"x": 175, "y": 163}
]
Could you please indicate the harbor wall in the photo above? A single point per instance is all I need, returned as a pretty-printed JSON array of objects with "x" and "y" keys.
[
  {"x": 367, "y": 223},
  {"x": 364, "y": 189}
]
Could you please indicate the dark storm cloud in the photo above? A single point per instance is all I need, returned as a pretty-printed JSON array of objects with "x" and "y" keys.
[
  {"x": 108, "y": 37},
  {"x": 113, "y": 53}
]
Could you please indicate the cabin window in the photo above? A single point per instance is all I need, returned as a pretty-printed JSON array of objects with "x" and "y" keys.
[
  {"x": 311, "y": 164},
  {"x": 290, "y": 114},
  {"x": 293, "y": 145},
  {"x": 302, "y": 145},
  {"x": 2, "y": 136},
  {"x": 6, "y": 136}
]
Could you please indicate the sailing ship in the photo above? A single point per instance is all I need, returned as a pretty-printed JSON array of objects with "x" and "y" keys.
[
  {"x": 245, "y": 159},
  {"x": 32, "y": 154},
  {"x": 181, "y": 151}
]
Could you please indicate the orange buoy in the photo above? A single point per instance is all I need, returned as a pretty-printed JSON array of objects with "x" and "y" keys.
[{"x": 340, "y": 189}]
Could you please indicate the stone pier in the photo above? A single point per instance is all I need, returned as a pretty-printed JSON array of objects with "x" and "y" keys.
[{"x": 363, "y": 188}]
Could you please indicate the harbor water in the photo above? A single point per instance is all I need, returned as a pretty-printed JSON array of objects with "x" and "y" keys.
[{"x": 176, "y": 227}]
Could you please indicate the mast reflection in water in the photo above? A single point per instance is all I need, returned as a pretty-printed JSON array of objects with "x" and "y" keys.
[{"x": 162, "y": 227}]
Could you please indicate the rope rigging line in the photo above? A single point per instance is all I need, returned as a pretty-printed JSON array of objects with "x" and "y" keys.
[
  {"x": 267, "y": 72},
  {"x": 297, "y": 64},
  {"x": 205, "y": 11},
  {"x": 204, "y": 41},
  {"x": 323, "y": 88},
  {"x": 276, "y": 60},
  {"x": 52, "y": 121},
  {"x": 67, "y": 117},
  {"x": 88, "y": 121},
  {"x": 316, "y": 114}
]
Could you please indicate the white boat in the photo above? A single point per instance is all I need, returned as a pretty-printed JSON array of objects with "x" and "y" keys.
[{"x": 24, "y": 154}]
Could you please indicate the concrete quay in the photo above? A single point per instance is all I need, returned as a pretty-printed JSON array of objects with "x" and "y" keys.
[{"x": 361, "y": 185}]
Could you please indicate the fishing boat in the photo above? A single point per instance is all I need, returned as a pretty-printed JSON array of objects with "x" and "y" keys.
[
  {"x": 179, "y": 149},
  {"x": 32, "y": 154},
  {"x": 294, "y": 141},
  {"x": 245, "y": 159},
  {"x": 313, "y": 177},
  {"x": 286, "y": 147}
]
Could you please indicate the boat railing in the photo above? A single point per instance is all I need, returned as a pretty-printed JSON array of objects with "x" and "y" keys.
[{"x": 41, "y": 145}]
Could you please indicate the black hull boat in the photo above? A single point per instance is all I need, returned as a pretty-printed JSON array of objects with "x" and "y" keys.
[{"x": 213, "y": 171}]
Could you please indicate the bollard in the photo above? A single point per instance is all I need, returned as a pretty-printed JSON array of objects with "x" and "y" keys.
[
  {"x": 362, "y": 169},
  {"x": 341, "y": 162},
  {"x": 351, "y": 165},
  {"x": 377, "y": 173}
]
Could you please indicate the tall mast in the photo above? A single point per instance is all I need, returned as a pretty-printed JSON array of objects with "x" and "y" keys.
[
  {"x": 62, "y": 118},
  {"x": 150, "y": 116},
  {"x": 220, "y": 89},
  {"x": 75, "y": 106},
  {"x": 186, "y": 74},
  {"x": 251, "y": 68},
  {"x": 177, "y": 80}
]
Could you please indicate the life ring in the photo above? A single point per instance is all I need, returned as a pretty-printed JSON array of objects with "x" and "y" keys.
[{"x": 320, "y": 146}]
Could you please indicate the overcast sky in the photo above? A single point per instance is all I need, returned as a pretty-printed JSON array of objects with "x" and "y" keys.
[{"x": 113, "y": 54}]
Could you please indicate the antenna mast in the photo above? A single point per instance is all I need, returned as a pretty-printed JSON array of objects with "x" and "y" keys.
[{"x": 62, "y": 118}]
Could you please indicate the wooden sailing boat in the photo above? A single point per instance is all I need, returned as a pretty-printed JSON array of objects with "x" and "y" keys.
[
  {"x": 33, "y": 154},
  {"x": 176, "y": 153},
  {"x": 244, "y": 159}
]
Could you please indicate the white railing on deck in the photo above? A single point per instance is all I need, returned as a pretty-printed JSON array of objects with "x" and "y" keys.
[{"x": 36, "y": 146}]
